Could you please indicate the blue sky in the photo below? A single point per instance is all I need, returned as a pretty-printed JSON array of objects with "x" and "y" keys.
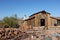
[{"x": 28, "y": 7}]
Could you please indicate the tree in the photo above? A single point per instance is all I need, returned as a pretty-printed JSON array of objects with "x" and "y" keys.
[
  {"x": 11, "y": 21},
  {"x": 1, "y": 23}
]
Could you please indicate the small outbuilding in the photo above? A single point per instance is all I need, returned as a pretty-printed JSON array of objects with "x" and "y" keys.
[{"x": 42, "y": 18}]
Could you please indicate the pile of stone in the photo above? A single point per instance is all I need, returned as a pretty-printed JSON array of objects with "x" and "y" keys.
[{"x": 11, "y": 34}]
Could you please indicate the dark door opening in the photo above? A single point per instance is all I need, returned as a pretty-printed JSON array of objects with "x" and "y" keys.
[{"x": 42, "y": 22}]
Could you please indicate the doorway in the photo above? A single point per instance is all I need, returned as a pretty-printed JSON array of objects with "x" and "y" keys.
[{"x": 42, "y": 22}]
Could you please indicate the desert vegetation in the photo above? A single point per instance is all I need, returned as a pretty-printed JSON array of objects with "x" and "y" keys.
[{"x": 8, "y": 22}]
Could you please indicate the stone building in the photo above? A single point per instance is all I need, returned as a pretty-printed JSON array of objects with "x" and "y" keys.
[{"x": 42, "y": 18}]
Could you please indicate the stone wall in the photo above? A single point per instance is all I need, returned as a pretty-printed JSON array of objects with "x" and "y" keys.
[
  {"x": 36, "y": 21},
  {"x": 53, "y": 21},
  {"x": 42, "y": 16}
]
